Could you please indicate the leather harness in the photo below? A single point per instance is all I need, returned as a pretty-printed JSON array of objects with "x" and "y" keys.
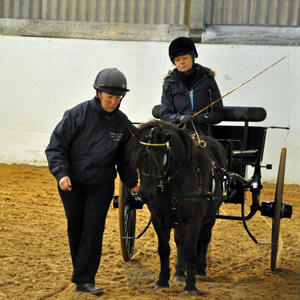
[{"x": 209, "y": 195}]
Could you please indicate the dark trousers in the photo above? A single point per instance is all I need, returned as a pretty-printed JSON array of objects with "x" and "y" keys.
[{"x": 86, "y": 209}]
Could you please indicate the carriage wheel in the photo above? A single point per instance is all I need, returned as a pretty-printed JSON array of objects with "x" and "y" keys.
[
  {"x": 127, "y": 221},
  {"x": 277, "y": 212}
]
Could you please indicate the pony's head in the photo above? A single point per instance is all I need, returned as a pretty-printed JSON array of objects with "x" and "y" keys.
[{"x": 158, "y": 150}]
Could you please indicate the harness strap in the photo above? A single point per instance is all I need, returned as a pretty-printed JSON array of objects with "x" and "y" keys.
[
  {"x": 212, "y": 193},
  {"x": 226, "y": 177},
  {"x": 199, "y": 193},
  {"x": 174, "y": 212},
  {"x": 200, "y": 178},
  {"x": 168, "y": 179},
  {"x": 196, "y": 193},
  {"x": 192, "y": 194}
]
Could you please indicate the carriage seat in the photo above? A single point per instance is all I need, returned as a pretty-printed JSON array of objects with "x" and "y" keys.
[
  {"x": 244, "y": 113},
  {"x": 232, "y": 113},
  {"x": 237, "y": 114}
]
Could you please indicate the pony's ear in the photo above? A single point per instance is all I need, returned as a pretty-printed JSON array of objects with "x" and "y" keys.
[
  {"x": 169, "y": 136},
  {"x": 134, "y": 131},
  {"x": 186, "y": 138}
]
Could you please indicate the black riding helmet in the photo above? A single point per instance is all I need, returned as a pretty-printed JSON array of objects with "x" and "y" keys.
[
  {"x": 180, "y": 46},
  {"x": 111, "y": 81}
]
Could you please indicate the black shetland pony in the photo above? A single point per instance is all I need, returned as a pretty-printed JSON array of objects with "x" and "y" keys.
[{"x": 181, "y": 183}]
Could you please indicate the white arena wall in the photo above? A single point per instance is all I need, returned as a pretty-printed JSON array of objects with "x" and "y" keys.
[{"x": 42, "y": 77}]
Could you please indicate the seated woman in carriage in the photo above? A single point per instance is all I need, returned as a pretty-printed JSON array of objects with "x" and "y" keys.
[{"x": 190, "y": 88}]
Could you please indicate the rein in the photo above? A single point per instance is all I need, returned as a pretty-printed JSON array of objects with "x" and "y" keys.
[{"x": 163, "y": 181}]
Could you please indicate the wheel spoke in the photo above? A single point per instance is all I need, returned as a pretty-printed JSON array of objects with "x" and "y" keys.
[{"x": 127, "y": 221}]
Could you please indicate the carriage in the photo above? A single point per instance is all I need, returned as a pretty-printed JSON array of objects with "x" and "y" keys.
[{"x": 244, "y": 147}]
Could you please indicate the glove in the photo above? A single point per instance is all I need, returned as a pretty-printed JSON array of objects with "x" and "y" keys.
[
  {"x": 199, "y": 119},
  {"x": 185, "y": 119}
]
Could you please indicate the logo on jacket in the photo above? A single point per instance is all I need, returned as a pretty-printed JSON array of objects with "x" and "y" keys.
[{"x": 116, "y": 137}]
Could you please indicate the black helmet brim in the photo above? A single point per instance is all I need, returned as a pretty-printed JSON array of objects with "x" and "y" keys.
[{"x": 111, "y": 90}]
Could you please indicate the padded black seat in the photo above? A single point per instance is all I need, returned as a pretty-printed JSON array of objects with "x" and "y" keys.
[
  {"x": 156, "y": 111},
  {"x": 244, "y": 113},
  {"x": 232, "y": 113}
]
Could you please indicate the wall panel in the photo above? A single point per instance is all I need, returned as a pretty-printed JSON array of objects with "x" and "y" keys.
[{"x": 252, "y": 12}]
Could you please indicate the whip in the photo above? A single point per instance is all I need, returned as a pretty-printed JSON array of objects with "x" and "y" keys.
[{"x": 200, "y": 111}]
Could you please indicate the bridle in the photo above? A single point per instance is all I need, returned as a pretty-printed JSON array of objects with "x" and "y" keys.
[{"x": 164, "y": 179}]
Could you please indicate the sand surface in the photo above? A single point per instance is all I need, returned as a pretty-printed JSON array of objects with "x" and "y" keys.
[{"x": 36, "y": 264}]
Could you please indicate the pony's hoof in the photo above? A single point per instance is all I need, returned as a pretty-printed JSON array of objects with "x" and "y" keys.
[
  {"x": 179, "y": 278},
  {"x": 161, "y": 284},
  {"x": 192, "y": 293},
  {"x": 157, "y": 287}
]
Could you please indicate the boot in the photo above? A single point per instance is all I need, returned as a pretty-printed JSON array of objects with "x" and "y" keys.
[{"x": 88, "y": 288}]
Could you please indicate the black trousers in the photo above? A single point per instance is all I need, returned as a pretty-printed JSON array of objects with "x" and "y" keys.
[{"x": 86, "y": 209}]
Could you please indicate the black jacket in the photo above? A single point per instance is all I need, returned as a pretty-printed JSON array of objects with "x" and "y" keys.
[
  {"x": 175, "y": 100},
  {"x": 88, "y": 144}
]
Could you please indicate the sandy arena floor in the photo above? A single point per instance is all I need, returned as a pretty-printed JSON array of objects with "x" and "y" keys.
[{"x": 36, "y": 264}]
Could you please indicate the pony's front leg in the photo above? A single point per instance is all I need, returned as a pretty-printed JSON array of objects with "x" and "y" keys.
[
  {"x": 180, "y": 263},
  {"x": 164, "y": 255},
  {"x": 190, "y": 255},
  {"x": 203, "y": 241}
]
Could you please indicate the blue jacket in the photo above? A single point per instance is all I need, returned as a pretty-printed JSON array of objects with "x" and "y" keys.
[
  {"x": 88, "y": 144},
  {"x": 176, "y": 98}
]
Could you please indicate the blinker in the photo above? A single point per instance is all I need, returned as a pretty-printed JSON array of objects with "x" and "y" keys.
[{"x": 164, "y": 159}]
